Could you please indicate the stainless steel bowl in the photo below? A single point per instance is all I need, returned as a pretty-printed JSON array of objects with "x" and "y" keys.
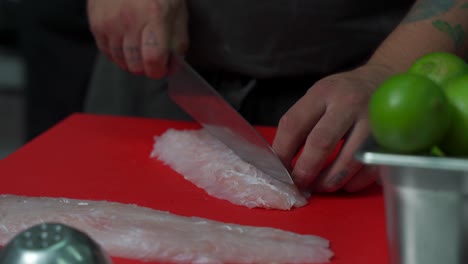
[
  {"x": 426, "y": 200},
  {"x": 52, "y": 243}
]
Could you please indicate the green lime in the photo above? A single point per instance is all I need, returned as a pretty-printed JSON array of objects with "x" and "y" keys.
[
  {"x": 440, "y": 67},
  {"x": 436, "y": 151},
  {"x": 456, "y": 140},
  {"x": 408, "y": 113}
]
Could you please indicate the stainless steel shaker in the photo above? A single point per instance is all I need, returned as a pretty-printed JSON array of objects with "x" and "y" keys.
[{"x": 52, "y": 243}]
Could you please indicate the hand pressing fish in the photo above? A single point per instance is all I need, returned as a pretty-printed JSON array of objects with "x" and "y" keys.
[
  {"x": 134, "y": 232},
  {"x": 209, "y": 164}
]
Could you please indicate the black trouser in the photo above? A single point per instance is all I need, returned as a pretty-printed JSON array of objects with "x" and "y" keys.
[{"x": 59, "y": 53}]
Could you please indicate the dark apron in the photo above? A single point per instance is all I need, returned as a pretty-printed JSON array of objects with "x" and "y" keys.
[{"x": 261, "y": 55}]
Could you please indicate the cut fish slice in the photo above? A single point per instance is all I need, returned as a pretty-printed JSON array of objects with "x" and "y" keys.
[{"x": 209, "y": 164}]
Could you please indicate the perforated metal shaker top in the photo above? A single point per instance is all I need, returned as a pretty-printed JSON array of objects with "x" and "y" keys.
[{"x": 52, "y": 243}]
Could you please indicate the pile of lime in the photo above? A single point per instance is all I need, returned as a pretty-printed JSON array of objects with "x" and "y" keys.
[{"x": 424, "y": 109}]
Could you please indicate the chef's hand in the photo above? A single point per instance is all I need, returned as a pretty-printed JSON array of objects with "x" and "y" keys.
[
  {"x": 334, "y": 108},
  {"x": 139, "y": 35}
]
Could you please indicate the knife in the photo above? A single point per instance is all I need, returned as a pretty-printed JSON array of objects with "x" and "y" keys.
[{"x": 204, "y": 104}]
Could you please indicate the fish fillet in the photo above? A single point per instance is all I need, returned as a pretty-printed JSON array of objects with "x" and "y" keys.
[
  {"x": 135, "y": 232},
  {"x": 209, "y": 164}
]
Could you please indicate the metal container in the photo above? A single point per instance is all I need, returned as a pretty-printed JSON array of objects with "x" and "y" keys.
[
  {"x": 426, "y": 203},
  {"x": 52, "y": 243}
]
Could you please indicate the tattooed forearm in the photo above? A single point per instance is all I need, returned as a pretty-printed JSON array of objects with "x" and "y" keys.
[
  {"x": 425, "y": 9},
  {"x": 430, "y": 9},
  {"x": 455, "y": 32}
]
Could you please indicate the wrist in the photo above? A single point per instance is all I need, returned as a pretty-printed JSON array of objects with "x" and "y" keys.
[{"x": 376, "y": 72}]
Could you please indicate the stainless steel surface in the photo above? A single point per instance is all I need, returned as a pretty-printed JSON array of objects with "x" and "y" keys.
[
  {"x": 426, "y": 200},
  {"x": 196, "y": 97},
  {"x": 52, "y": 243}
]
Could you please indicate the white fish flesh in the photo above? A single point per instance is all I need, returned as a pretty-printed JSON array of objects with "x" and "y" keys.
[
  {"x": 209, "y": 164},
  {"x": 134, "y": 232}
]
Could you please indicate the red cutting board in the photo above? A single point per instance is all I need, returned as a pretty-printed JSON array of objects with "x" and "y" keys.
[{"x": 107, "y": 158}]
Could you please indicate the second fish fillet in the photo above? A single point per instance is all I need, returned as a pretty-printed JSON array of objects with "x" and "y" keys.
[{"x": 135, "y": 232}]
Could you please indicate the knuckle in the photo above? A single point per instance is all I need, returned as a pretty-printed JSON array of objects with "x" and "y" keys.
[
  {"x": 353, "y": 99},
  {"x": 301, "y": 176},
  {"x": 322, "y": 140},
  {"x": 132, "y": 51},
  {"x": 288, "y": 122},
  {"x": 323, "y": 85},
  {"x": 301, "y": 172}
]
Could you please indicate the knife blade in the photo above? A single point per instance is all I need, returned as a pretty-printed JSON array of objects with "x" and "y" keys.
[{"x": 205, "y": 105}]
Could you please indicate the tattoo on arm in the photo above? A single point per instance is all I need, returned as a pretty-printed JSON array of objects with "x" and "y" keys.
[
  {"x": 151, "y": 41},
  {"x": 132, "y": 49},
  {"x": 455, "y": 32},
  {"x": 425, "y": 9},
  {"x": 337, "y": 178},
  {"x": 428, "y": 9},
  {"x": 133, "y": 55}
]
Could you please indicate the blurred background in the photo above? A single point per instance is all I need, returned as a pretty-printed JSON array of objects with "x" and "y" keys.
[
  {"x": 47, "y": 55},
  {"x": 11, "y": 83}
]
